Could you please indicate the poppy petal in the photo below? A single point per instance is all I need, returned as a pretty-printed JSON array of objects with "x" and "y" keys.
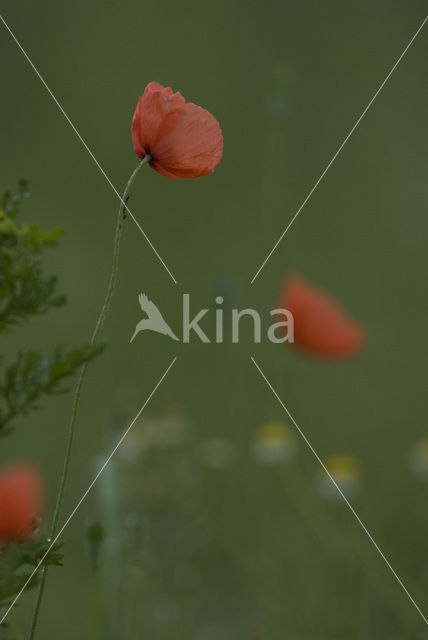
[
  {"x": 20, "y": 502},
  {"x": 152, "y": 115},
  {"x": 193, "y": 147},
  {"x": 321, "y": 326}
]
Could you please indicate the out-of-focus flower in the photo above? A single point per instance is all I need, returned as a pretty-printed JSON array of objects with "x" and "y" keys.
[
  {"x": 157, "y": 432},
  {"x": 418, "y": 458},
  {"x": 274, "y": 442},
  {"x": 346, "y": 471},
  {"x": 321, "y": 326},
  {"x": 20, "y": 502},
  {"x": 217, "y": 453},
  {"x": 182, "y": 139}
]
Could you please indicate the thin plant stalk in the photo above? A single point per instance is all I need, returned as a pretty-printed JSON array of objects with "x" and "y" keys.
[{"x": 78, "y": 390}]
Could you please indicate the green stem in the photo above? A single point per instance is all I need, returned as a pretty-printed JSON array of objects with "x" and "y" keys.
[
  {"x": 96, "y": 605},
  {"x": 77, "y": 393}
]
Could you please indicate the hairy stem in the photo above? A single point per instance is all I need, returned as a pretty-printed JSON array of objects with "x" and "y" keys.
[{"x": 78, "y": 390}]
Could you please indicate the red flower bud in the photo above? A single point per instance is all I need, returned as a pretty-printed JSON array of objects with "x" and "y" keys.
[
  {"x": 183, "y": 140},
  {"x": 321, "y": 326},
  {"x": 20, "y": 502}
]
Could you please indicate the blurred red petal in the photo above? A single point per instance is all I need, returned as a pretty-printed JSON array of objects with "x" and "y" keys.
[
  {"x": 20, "y": 502},
  {"x": 321, "y": 326}
]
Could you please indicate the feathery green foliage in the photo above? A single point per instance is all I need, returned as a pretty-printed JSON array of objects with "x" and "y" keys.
[
  {"x": 26, "y": 291},
  {"x": 17, "y": 563},
  {"x": 33, "y": 375}
]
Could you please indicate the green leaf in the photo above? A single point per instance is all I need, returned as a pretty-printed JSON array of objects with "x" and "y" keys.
[
  {"x": 24, "y": 289},
  {"x": 11, "y": 203},
  {"x": 17, "y": 562},
  {"x": 33, "y": 375}
]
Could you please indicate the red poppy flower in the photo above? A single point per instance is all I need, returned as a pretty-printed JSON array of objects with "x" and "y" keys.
[
  {"x": 183, "y": 140},
  {"x": 321, "y": 326},
  {"x": 20, "y": 502}
]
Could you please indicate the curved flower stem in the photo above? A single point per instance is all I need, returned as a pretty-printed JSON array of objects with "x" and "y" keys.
[{"x": 78, "y": 390}]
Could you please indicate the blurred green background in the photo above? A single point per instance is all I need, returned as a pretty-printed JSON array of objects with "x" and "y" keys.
[{"x": 228, "y": 547}]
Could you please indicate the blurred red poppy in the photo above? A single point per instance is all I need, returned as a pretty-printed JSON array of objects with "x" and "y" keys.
[
  {"x": 321, "y": 326},
  {"x": 20, "y": 502},
  {"x": 183, "y": 140}
]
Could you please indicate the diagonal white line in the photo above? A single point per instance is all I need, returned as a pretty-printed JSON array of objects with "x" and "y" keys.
[
  {"x": 84, "y": 496},
  {"x": 86, "y": 147},
  {"x": 349, "y": 505},
  {"x": 339, "y": 150}
]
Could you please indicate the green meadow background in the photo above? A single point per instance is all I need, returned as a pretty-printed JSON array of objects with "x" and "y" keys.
[{"x": 202, "y": 541}]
